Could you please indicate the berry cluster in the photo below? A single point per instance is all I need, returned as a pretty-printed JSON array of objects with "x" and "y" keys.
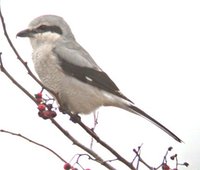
[{"x": 45, "y": 110}]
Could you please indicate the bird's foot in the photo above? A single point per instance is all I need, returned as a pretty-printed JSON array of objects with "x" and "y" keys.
[{"x": 75, "y": 118}]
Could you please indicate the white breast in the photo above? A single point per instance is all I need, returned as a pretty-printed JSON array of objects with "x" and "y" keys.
[{"x": 46, "y": 66}]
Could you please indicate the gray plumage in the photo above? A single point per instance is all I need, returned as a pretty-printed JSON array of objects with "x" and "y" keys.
[{"x": 67, "y": 69}]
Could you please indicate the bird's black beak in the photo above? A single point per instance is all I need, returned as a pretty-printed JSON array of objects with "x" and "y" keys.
[{"x": 25, "y": 33}]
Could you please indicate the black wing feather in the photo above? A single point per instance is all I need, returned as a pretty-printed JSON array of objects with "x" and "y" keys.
[{"x": 99, "y": 79}]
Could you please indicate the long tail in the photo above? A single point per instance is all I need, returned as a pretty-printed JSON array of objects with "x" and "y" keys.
[{"x": 136, "y": 110}]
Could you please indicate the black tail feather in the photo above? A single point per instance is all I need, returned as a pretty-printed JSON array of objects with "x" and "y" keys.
[{"x": 139, "y": 112}]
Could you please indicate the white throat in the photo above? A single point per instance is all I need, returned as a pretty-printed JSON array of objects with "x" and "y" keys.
[{"x": 43, "y": 38}]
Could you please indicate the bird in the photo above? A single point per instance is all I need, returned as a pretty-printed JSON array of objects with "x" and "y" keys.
[{"x": 67, "y": 69}]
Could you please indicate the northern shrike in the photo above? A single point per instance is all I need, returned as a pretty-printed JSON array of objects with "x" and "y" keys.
[{"x": 67, "y": 69}]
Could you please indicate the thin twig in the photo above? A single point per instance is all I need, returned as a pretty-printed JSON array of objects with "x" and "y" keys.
[
  {"x": 95, "y": 116},
  {"x": 79, "y": 156},
  {"x": 141, "y": 160},
  {"x": 139, "y": 148},
  {"x": 36, "y": 143}
]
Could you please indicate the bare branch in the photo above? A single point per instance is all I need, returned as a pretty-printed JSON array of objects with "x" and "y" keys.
[
  {"x": 2, "y": 68},
  {"x": 36, "y": 143}
]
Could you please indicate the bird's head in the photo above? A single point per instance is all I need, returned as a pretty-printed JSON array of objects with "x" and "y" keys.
[{"x": 46, "y": 29}]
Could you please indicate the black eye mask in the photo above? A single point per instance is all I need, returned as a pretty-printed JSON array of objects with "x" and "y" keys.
[{"x": 46, "y": 28}]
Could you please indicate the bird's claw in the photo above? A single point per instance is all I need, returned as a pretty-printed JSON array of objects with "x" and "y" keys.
[{"x": 75, "y": 118}]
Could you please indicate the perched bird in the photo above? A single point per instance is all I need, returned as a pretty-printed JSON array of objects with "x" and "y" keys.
[{"x": 69, "y": 71}]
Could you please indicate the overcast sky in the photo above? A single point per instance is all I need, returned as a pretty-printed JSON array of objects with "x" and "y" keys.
[{"x": 151, "y": 51}]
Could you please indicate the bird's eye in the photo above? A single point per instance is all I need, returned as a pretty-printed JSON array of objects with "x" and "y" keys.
[{"x": 42, "y": 27}]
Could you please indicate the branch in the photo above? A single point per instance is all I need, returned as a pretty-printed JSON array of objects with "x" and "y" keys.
[
  {"x": 36, "y": 143},
  {"x": 2, "y": 68},
  {"x": 141, "y": 160}
]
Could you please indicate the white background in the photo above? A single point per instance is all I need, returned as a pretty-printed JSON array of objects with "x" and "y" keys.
[{"x": 151, "y": 51}]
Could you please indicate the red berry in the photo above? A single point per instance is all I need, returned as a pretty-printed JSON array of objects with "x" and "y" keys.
[
  {"x": 67, "y": 166},
  {"x": 49, "y": 114},
  {"x": 41, "y": 107},
  {"x": 46, "y": 114},
  {"x": 39, "y": 95},
  {"x": 40, "y": 114},
  {"x": 39, "y": 100},
  {"x": 165, "y": 167}
]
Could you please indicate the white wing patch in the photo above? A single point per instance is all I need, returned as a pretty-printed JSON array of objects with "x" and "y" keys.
[{"x": 88, "y": 78}]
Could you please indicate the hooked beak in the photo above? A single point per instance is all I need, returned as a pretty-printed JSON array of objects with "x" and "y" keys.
[{"x": 25, "y": 33}]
